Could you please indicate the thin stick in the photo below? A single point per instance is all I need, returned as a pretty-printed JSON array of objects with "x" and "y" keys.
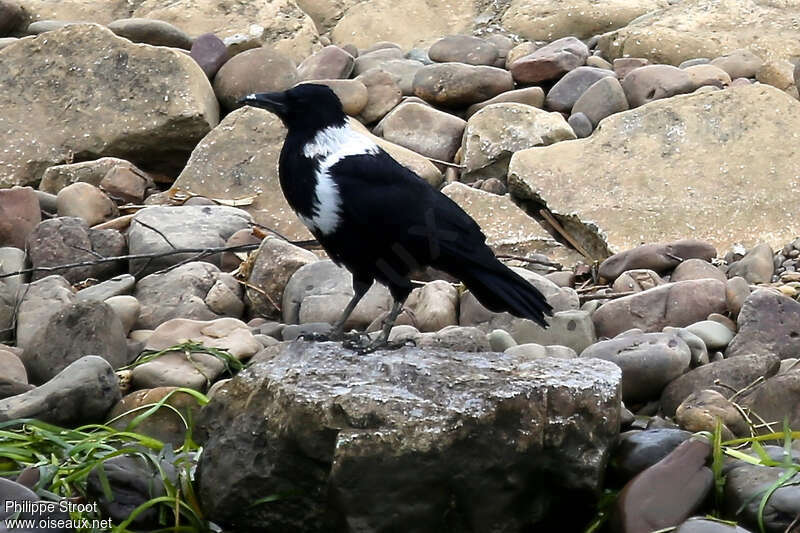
[
  {"x": 445, "y": 163},
  {"x": 612, "y": 296},
  {"x": 529, "y": 260},
  {"x": 154, "y": 255},
  {"x": 560, "y": 229},
  {"x": 148, "y": 226}
]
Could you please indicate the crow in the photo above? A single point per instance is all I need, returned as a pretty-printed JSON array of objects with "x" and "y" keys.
[{"x": 376, "y": 217}]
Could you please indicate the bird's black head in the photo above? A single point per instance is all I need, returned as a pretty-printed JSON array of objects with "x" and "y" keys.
[{"x": 308, "y": 106}]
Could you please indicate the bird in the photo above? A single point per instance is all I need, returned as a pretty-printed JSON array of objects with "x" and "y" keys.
[{"x": 376, "y": 217}]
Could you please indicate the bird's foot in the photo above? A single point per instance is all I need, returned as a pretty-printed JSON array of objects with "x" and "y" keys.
[
  {"x": 384, "y": 344},
  {"x": 314, "y": 336},
  {"x": 355, "y": 340}
]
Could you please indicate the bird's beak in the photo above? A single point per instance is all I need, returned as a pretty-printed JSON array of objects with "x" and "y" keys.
[{"x": 275, "y": 102}]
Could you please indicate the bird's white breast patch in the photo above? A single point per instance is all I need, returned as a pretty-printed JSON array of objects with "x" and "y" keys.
[{"x": 328, "y": 147}]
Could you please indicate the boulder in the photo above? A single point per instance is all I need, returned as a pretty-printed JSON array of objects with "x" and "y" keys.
[
  {"x": 618, "y": 194},
  {"x": 147, "y": 104},
  {"x": 457, "y": 84},
  {"x": 673, "y": 304},
  {"x": 20, "y": 213},
  {"x": 658, "y": 257},
  {"x": 375, "y": 59},
  {"x": 550, "y": 61},
  {"x": 654, "y": 82},
  {"x": 736, "y": 373},
  {"x": 279, "y": 24},
  {"x": 57, "y": 177},
  {"x": 756, "y": 266},
  {"x": 463, "y": 49},
  {"x": 258, "y": 70},
  {"x": 508, "y": 229},
  {"x": 210, "y": 53},
  {"x": 239, "y": 159},
  {"x": 86, "y": 202},
  {"x": 423, "y": 129},
  {"x": 164, "y": 424},
  {"x": 41, "y": 300},
  {"x": 541, "y": 20},
  {"x": 164, "y": 228},
  {"x": 533, "y": 96},
  {"x": 638, "y": 450},
  {"x": 319, "y": 292},
  {"x": 378, "y": 439},
  {"x": 329, "y": 63},
  {"x": 694, "y": 28},
  {"x": 76, "y": 330},
  {"x": 649, "y": 361},
  {"x": 415, "y": 162},
  {"x": 769, "y": 323},
  {"x": 274, "y": 263},
  {"x": 364, "y": 24},
  {"x": 67, "y": 240},
  {"x": 680, "y": 483},
  {"x": 351, "y": 93},
  {"x": 496, "y": 132},
  {"x": 150, "y": 31},
  {"x": 182, "y": 292},
  {"x": 566, "y": 91},
  {"x": 82, "y": 393},
  {"x": 746, "y": 482},
  {"x": 603, "y": 98},
  {"x": 174, "y": 369}
]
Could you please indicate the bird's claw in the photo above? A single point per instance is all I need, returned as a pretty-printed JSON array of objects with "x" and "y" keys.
[
  {"x": 315, "y": 337},
  {"x": 384, "y": 344}
]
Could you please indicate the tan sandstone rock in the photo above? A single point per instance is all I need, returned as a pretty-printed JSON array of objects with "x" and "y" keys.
[
  {"x": 387, "y": 20},
  {"x": 678, "y": 177},
  {"x": 698, "y": 28},
  {"x": 238, "y": 160},
  {"x": 544, "y": 20},
  {"x": 83, "y": 91},
  {"x": 280, "y": 24},
  {"x": 508, "y": 229},
  {"x": 78, "y": 10}
]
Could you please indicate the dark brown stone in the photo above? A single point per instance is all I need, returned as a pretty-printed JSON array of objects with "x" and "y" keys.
[
  {"x": 550, "y": 61},
  {"x": 736, "y": 373},
  {"x": 679, "y": 484},
  {"x": 210, "y": 53},
  {"x": 659, "y": 257},
  {"x": 769, "y": 323}
]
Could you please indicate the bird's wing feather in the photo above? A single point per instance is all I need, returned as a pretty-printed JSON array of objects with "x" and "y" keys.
[{"x": 386, "y": 198}]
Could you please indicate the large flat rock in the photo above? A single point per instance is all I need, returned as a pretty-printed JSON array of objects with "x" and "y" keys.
[
  {"x": 238, "y": 160},
  {"x": 714, "y": 166},
  {"x": 508, "y": 228},
  {"x": 546, "y": 20},
  {"x": 82, "y": 92},
  {"x": 406, "y": 23},
  {"x": 426, "y": 438},
  {"x": 699, "y": 28}
]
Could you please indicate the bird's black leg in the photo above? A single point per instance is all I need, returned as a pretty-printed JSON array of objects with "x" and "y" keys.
[
  {"x": 388, "y": 323},
  {"x": 360, "y": 288}
]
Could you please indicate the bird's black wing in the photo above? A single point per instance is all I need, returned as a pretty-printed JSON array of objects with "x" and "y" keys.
[
  {"x": 391, "y": 210},
  {"x": 390, "y": 203}
]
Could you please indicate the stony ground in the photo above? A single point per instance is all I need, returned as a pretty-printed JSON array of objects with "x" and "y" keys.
[{"x": 636, "y": 161}]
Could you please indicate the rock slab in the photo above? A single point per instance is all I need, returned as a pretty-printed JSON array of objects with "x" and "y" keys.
[
  {"x": 105, "y": 96},
  {"x": 587, "y": 185},
  {"x": 432, "y": 434}
]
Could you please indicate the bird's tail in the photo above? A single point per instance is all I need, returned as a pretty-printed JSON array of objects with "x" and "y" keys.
[{"x": 500, "y": 289}]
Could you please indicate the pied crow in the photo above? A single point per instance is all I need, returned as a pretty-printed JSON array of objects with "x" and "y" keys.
[{"x": 376, "y": 217}]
